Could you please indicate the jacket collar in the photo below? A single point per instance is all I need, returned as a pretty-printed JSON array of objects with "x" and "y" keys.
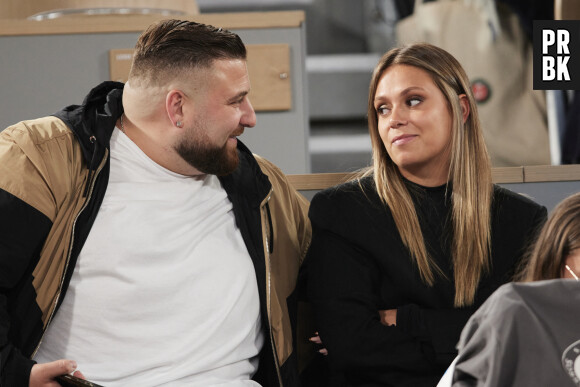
[{"x": 93, "y": 121}]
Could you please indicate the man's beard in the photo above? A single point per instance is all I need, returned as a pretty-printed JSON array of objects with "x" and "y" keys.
[{"x": 208, "y": 159}]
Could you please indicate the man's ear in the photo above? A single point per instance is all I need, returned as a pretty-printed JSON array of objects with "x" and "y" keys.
[
  {"x": 174, "y": 105},
  {"x": 464, "y": 103}
]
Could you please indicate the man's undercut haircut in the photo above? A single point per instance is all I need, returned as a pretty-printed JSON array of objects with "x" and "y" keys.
[{"x": 171, "y": 47}]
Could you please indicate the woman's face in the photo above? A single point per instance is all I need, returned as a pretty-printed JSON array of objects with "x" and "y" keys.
[
  {"x": 573, "y": 262},
  {"x": 414, "y": 123}
]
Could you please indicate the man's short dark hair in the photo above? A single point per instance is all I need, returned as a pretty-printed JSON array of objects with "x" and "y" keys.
[{"x": 172, "y": 46}]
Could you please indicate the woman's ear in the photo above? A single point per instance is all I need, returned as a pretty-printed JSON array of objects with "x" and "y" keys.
[
  {"x": 174, "y": 105},
  {"x": 464, "y": 103}
]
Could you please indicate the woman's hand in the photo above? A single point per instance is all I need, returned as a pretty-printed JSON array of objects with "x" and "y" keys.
[
  {"x": 42, "y": 375},
  {"x": 388, "y": 317},
  {"x": 316, "y": 340}
]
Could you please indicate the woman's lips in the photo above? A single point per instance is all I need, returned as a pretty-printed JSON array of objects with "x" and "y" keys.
[{"x": 403, "y": 139}]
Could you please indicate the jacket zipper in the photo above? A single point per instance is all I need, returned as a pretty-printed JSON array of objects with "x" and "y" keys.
[
  {"x": 89, "y": 196},
  {"x": 267, "y": 251}
]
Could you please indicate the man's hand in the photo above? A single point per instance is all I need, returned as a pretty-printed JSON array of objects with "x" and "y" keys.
[
  {"x": 42, "y": 375},
  {"x": 388, "y": 317}
]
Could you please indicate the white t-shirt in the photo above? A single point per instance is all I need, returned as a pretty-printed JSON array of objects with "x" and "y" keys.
[{"x": 164, "y": 292}]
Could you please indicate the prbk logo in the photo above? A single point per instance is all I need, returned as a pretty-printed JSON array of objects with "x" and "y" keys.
[{"x": 556, "y": 54}]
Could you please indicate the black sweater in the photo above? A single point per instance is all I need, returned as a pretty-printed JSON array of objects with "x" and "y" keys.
[{"x": 357, "y": 265}]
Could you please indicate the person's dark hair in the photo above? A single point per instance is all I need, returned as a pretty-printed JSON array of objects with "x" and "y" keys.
[
  {"x": 559, "y": 236},
  {"x": 170, "y": 47}
]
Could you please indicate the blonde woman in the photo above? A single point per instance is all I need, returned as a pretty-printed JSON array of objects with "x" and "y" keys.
[
  {"x": 527, "y": 334},
  {"x": 403, "y": 256}
]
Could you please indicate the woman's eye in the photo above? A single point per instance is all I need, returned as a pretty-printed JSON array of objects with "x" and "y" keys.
[
  {"x": 382, "y": 110},
  {"x": 414, "y": 101}
]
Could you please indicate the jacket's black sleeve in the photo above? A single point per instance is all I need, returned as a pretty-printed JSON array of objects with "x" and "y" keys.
[{"x": 22, "y": 233}]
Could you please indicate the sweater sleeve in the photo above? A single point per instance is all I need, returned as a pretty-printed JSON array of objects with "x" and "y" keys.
[
  {"x": 443, "y": 326},
  {"x": 343, "y": 286}
]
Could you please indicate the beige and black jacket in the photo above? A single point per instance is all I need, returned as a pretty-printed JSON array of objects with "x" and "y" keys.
[{"x": 53, "y": 176}]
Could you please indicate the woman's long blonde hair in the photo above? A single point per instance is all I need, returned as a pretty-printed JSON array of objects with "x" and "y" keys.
[{"x": 469, "y": 174}]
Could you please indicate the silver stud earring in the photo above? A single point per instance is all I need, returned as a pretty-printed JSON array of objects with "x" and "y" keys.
[{"x": 179, "y": 124}]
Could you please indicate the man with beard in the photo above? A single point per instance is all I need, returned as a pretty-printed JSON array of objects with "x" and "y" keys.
[{"x": 140, "y": 241}]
